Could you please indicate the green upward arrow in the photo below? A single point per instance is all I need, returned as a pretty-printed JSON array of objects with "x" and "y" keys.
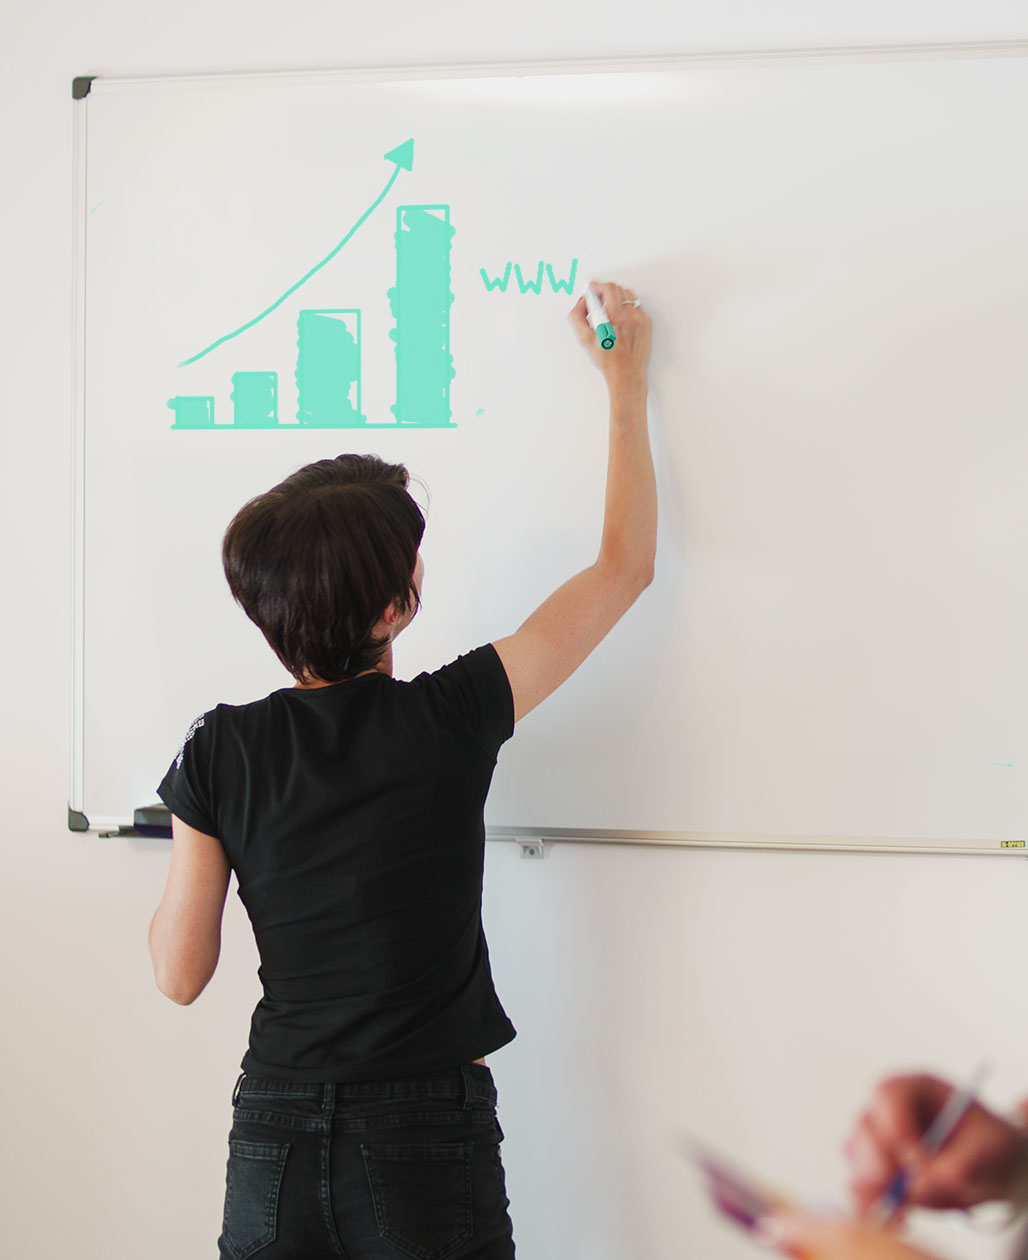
[{"x": 402, "y": 158}]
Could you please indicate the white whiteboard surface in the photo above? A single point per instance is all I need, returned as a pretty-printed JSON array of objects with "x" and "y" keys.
[{"x": 834, "y": 649}]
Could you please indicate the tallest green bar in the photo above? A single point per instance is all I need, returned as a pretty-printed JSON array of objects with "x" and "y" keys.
[{"x": 421, "y": 304}]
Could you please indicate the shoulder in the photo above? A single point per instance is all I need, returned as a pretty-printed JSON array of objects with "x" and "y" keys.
[
  {"x": 212, "y": 753},
  {"x": 213, "y": 727},
  {"x": 473, "y": 689},
  {"x": 224, "y": 717},
  {"x": 480, "y": 669},
  {"x": 204, "y": 722}
]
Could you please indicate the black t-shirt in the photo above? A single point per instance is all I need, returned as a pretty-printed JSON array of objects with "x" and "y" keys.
[{"x": 353, "y": 818}]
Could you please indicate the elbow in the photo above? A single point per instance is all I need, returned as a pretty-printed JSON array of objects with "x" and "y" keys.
[
  {"x": 178, "y": 985},
  {"x": 639, "y": 577},
  {"x": 179, "y": 993},
  {"x": 182, "y": 969},
  {"x": 181, "y": 980},
  {"x": 626, "y": 579}
]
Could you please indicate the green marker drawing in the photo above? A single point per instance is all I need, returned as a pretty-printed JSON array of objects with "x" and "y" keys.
[
  {"x": 530, "y": 286},
  {"x": 403, "y": 159},
  {"x": 255, "y": 396},
  {"x": 568, "y": 285},
  {"x": 500, "y": 282},
  {"x": 328, "y": 369},
  {"x": 193, "y": 411},
  {"x": 420, "y": 302}
]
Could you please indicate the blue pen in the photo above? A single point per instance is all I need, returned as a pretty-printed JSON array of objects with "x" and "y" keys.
[{"x": 937, "y": 1134}]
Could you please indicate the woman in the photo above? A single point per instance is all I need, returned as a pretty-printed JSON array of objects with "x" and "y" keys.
[{"x": 351, "y": 809}]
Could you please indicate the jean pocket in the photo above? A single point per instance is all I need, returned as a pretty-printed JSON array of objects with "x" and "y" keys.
[
  {"x": 252, "y": 1186},
  {"x": 422, "y": 1196}
]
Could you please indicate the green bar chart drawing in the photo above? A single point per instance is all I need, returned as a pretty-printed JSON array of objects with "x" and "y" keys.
[
  {"x": 421, "y": 304},
  {"x": 330, "y": 340},
  {"x": 255, "y": 397},
  {"x": 328, "y": 369},
  {"x": 192, "y": 411}
]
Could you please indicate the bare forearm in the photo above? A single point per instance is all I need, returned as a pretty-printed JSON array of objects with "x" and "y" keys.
[
  {"x": 185, "y": 933},
  {"x": 629, "y": 538},
  {"x": 182, "y": 965}
]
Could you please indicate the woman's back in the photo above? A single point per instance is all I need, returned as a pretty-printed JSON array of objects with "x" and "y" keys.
[{"x": 352, "y": 816}]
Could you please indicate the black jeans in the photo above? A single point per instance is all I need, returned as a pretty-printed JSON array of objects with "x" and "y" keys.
[{"x": 379, "y": 1170}]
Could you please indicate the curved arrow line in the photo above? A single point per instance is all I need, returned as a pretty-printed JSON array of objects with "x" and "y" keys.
[{"x": 328, "y": 258}]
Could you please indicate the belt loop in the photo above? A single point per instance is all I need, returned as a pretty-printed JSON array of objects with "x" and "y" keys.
[
  {"x": 328, "y": 1100},
  {"x": 235, "y": 1092},
  {"x": 469, "y": 1087}
]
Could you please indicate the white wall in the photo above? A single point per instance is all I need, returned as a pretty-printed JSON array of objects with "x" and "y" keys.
[{"x": 750, "y": 996}]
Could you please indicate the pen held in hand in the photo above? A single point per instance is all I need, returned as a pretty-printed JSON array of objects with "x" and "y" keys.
[
  {"x": 936, "y": 1135},
  {"x": 598, "y": 319}
]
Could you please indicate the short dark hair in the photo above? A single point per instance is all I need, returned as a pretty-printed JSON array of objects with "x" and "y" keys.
[{"x": 315, "y": 561}]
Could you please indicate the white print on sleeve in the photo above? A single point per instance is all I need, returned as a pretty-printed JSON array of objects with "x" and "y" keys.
[{"x": 189, "y": 735}]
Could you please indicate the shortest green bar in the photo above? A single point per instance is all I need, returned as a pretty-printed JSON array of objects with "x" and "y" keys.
[
  {"x": 192, "y": 411},
  {"x": 255, "y": 399}
]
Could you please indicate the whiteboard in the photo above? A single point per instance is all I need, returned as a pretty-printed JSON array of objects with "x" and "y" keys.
[{"x": 833, "y": 651}]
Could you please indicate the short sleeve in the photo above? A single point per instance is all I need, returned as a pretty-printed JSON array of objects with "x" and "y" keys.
[
  {"x": 475, "y": 689},
  {"x": 185, "y": 789}
]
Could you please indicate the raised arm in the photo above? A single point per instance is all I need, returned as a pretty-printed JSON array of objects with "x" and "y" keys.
[
  {"x": 565, "y": 628},
  {"x": 185, "y": 934}
]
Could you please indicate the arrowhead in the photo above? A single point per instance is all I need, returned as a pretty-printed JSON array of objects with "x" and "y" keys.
[{"x": 402, "y": 156}]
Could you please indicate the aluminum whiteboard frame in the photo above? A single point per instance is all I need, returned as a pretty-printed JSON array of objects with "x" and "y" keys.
[{"x": 729, "y": 840}]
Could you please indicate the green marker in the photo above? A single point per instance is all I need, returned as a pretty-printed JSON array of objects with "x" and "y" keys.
[{"x": 596, "y": 313}]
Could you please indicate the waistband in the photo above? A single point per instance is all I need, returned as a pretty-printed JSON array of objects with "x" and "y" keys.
[{"x": 468, "y": 1085}]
